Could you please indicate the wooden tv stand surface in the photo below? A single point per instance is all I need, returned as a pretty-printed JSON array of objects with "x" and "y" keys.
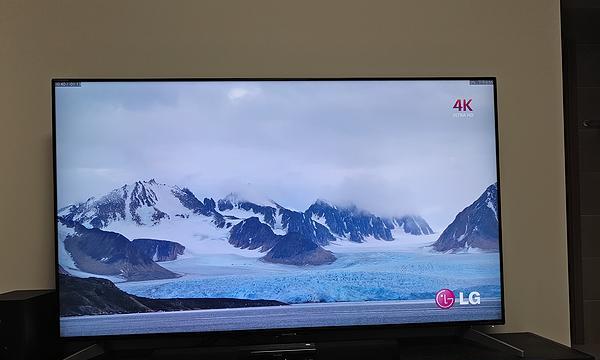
[
  {"x": 535, "y": 347},
  {"x": 445, "y": 348}
]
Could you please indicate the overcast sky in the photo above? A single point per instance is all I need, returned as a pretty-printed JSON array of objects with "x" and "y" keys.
[{"x": 391, "y": 147}]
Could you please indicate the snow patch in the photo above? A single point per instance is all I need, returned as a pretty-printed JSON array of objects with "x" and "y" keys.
[
  {"x": 85, "y": 275},
  {"x": 243, "y": 214},
  {"x": 250, "y": 196},
  {"x": 198, "y": 234},
  {"x": 279, "y": 229},
  {"x": 492, "y": 207},
  {"x": 319, "y": 219},
  {"x": 403, "y": 243},
  {"x": 64, "y": 257}
]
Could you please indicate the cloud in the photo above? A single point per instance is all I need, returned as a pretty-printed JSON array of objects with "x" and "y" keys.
[
  {"x": 390, "y": 147},
  {"x": 239, "y": 93},
  {"x": 375, "y": 194}
]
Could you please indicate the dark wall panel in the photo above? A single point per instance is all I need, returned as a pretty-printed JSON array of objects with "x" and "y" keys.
[
  {"x": 591, "y": 310},
  {"x": 590, "y": 193},
  {"x": 590, "y": 236},
  {"x": 588, "y": 58},
  {"x": 589, "y": 148}
]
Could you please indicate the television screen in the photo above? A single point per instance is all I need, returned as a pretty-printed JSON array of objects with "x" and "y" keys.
[{"x": 229, "y": 205}]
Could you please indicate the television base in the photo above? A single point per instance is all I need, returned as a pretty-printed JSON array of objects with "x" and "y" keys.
[
  {"x": 283, "y": 351},
  {"x": 87, "y": 353},
  {"x": 491, "y": 342}
]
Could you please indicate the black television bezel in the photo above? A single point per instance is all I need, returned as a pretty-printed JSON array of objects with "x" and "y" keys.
[{"x": 277, "y": 335}]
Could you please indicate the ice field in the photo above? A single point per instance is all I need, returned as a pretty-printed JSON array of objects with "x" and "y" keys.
[{"x": 360, "y": 273}]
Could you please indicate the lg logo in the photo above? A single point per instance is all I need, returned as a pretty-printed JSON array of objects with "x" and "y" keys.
[
  {"x": 445, "y": 298},
  {"x": 463, "y": 105}
]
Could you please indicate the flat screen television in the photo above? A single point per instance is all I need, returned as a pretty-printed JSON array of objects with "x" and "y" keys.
[{"x": 243, "y": 205}]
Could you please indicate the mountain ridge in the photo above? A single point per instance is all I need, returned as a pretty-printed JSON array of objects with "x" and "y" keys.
[
  {"x": 149, "y": 203},
  {"x": 476, "y": 226},
  {"x": 109, "y": 253}
]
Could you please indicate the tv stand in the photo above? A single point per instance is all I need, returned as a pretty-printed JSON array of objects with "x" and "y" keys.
[
  {"x": 464, "y": 344},
  {"x": 491, "y": 342}
]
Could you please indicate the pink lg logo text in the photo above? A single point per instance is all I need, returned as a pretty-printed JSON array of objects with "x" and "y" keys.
[{"x": 445, "y": 298}]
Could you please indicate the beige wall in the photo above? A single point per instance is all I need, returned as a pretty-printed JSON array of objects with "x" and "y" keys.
[{"x": 517, "y": 41}]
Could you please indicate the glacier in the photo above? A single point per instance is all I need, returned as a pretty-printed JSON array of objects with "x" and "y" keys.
[{"x": 355, "y": 276}]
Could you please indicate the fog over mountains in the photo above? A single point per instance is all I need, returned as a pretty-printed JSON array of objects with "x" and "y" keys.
[
  {"x": 110, "y": 235},
  {"x": 150, "y": 203}
]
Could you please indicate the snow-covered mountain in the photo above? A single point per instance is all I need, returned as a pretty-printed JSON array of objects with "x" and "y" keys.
[
  {"x": 148, "y": 209},
  {"x": 324, "y": 222},
  {"x": 356, "y": 224},
  {"x": 235, "y": 206},
  {"x": 107, "y": 253},
  {"x": 474, "y": 227},
  {"x": 144, "y": 203},
  {"x": 294, "y": 248}
]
